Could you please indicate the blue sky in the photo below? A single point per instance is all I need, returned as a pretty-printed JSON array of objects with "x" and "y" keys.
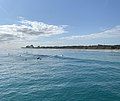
[{"x": 78, "y": 22}]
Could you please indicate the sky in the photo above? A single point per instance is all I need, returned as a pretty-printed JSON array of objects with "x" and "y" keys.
[{"x": 59, "y": 22}]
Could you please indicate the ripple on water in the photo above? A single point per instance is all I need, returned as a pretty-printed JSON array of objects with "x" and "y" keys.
[{"x": 60, "y": 77}]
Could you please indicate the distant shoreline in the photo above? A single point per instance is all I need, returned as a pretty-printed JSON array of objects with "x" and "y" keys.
[{"x": 95, "y": 47}]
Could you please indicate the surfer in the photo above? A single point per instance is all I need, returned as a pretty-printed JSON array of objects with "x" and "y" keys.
[{"x": 38, "y": 58}]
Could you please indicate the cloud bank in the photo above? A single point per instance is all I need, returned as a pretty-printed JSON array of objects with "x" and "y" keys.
[
  {"x": 107, "y": 34},
  {"x": 30, "y": 30},
  {"x": 27, "y": 29}
]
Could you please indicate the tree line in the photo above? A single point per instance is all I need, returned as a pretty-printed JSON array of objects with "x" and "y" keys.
[{"x": 76, "y": 47}]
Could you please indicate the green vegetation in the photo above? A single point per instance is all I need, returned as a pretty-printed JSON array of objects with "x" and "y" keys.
[{"x": 76, "y": 47}]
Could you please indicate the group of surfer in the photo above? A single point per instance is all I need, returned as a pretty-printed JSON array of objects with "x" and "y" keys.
[{"x": 38, "y": 58}]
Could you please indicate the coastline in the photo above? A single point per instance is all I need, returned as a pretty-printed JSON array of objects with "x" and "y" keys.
[{"x": 91, "y": 47}]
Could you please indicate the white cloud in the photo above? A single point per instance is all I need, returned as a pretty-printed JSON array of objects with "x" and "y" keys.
[
  {"x": 107, "y": 34},
  {"x": 27, "y": 29}
]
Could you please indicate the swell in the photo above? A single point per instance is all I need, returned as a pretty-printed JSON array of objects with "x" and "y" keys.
[{"x": 26, "y": 56}]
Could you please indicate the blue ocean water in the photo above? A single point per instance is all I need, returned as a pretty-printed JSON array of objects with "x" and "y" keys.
[{"x": 59, "y": 75}]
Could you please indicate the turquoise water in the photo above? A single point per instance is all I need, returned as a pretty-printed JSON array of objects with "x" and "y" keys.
[{"x": 59, "y": 75}]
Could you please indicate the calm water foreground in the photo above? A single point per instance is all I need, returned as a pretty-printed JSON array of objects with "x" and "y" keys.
[{"x": 59, "y": 75}]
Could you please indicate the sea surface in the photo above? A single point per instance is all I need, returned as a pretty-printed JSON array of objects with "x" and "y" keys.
[{"x": 59, "y": 75}]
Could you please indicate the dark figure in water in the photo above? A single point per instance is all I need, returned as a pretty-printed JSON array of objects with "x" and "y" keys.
[{"x": 38, "y": 58}]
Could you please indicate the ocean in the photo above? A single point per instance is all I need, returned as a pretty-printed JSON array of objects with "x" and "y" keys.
[{"x": 59, "y": 75}]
